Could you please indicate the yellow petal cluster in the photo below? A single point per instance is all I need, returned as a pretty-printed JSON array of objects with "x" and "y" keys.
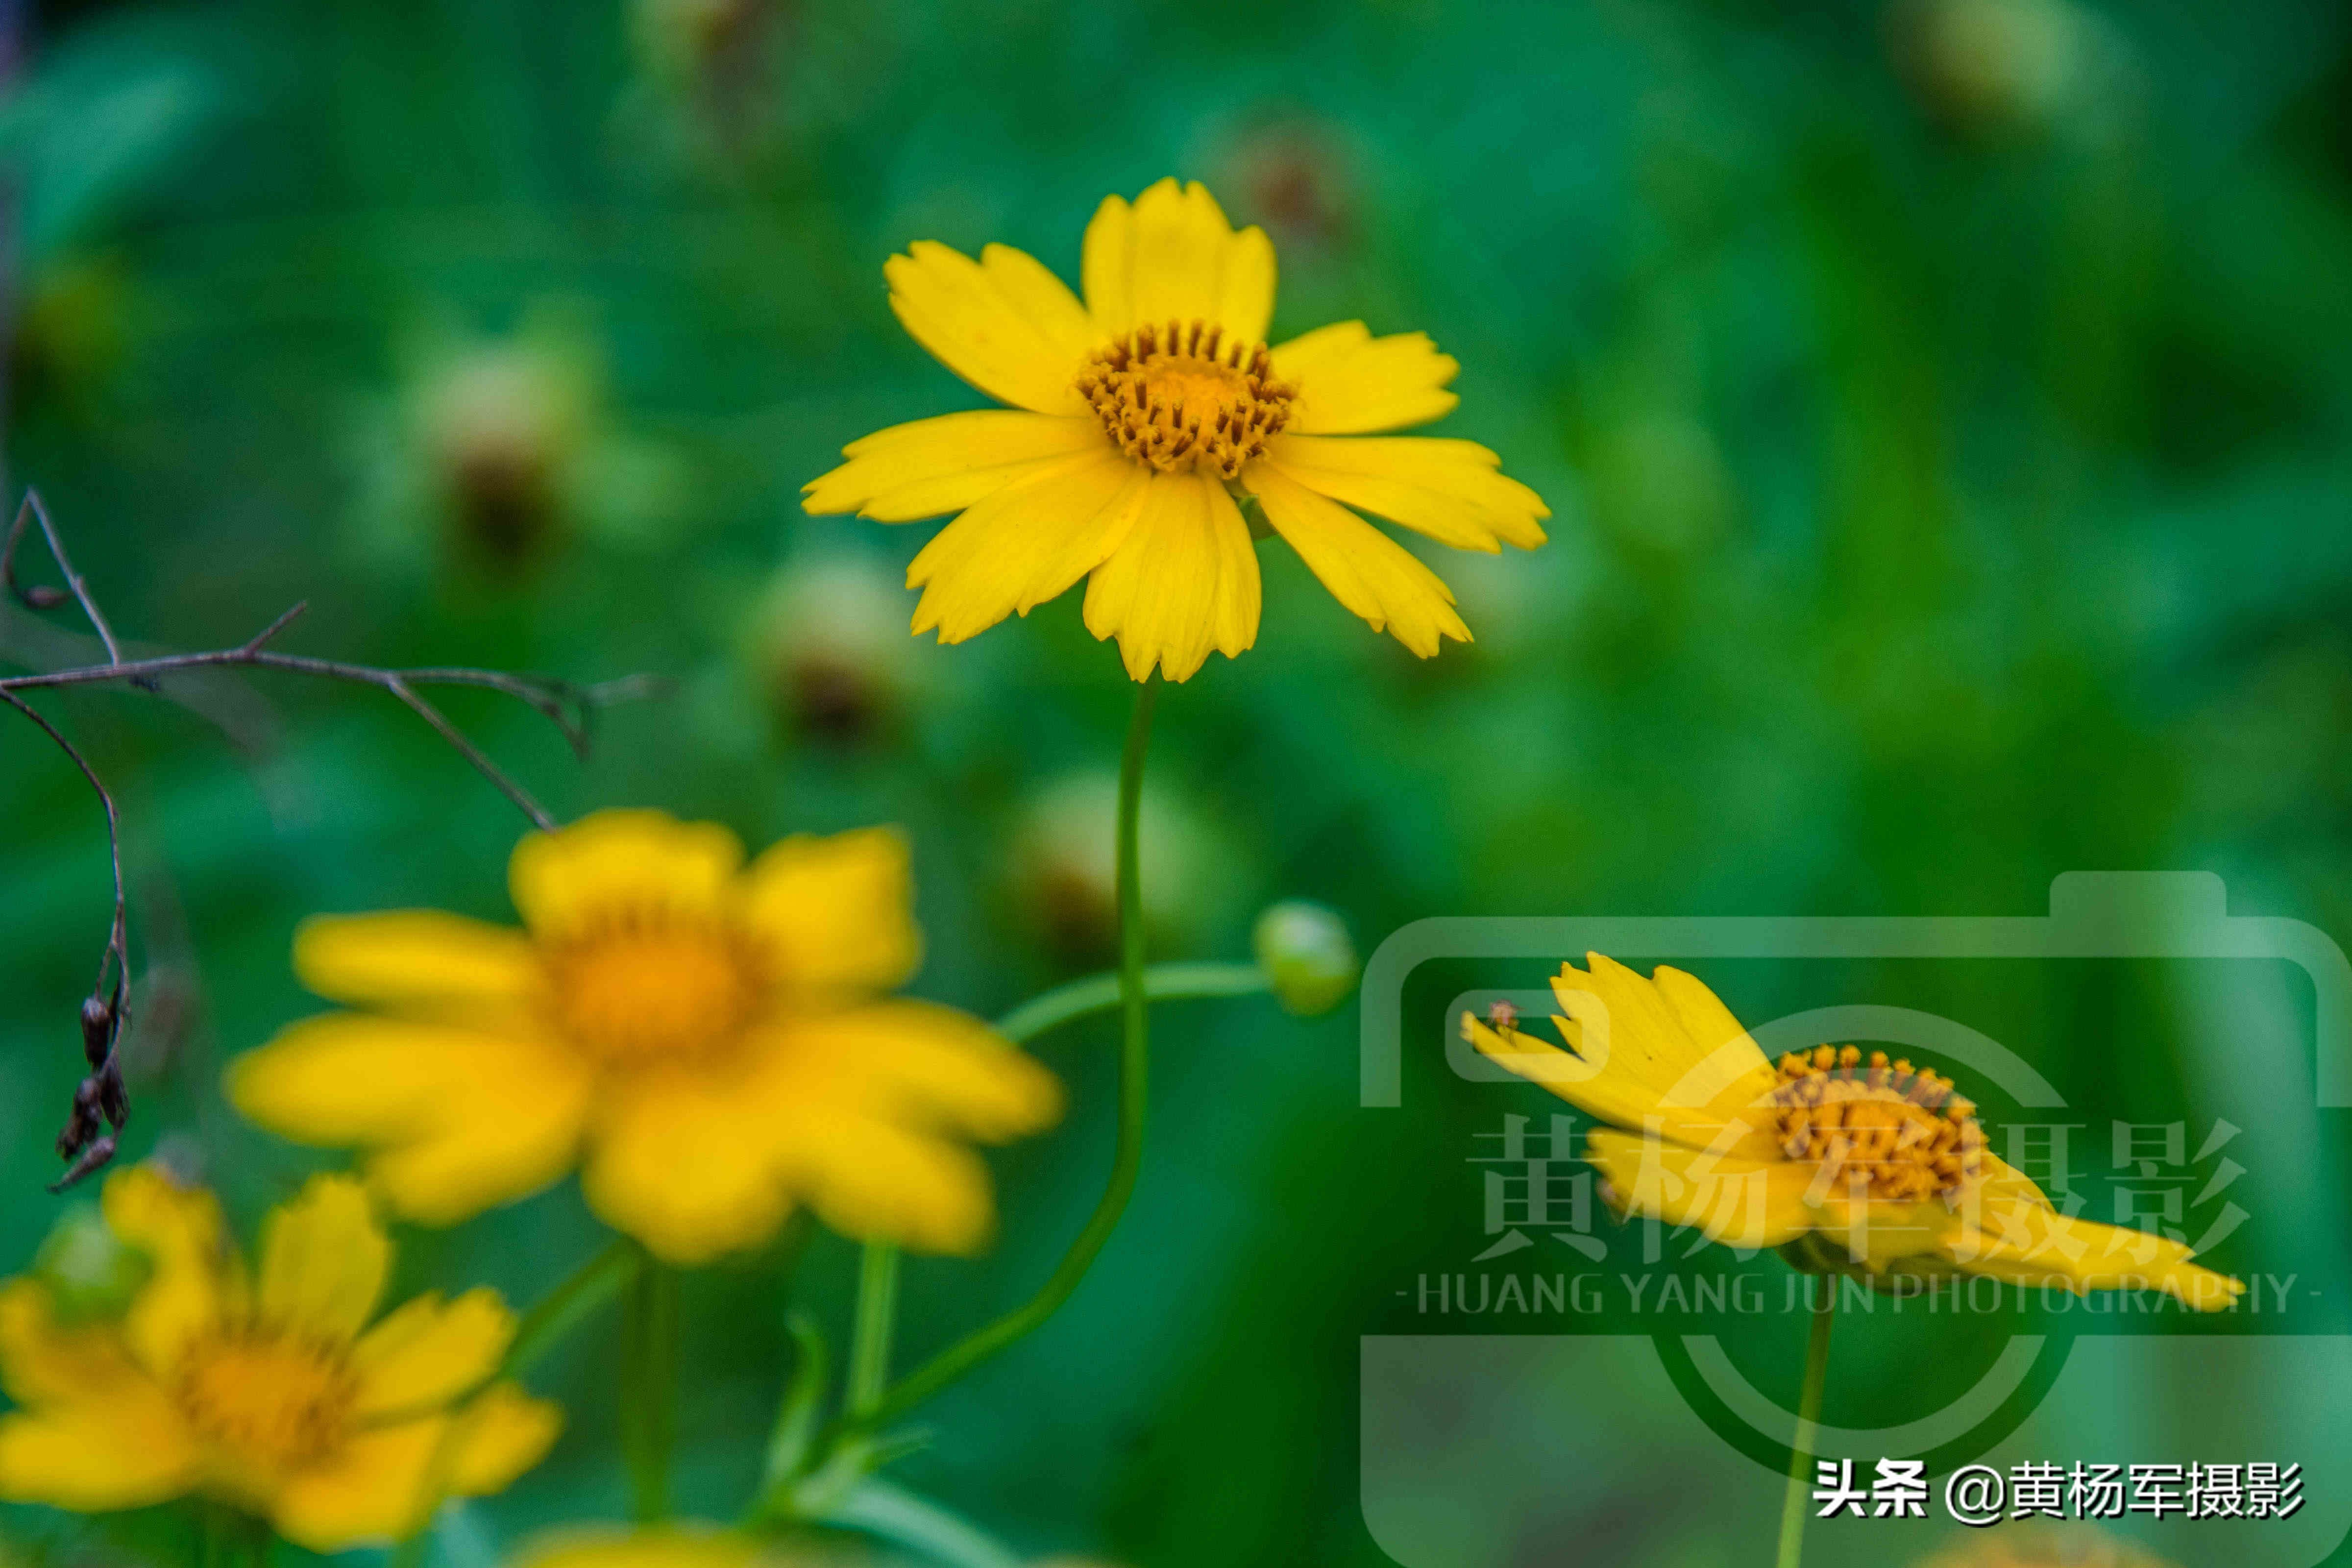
[
  {"x": 1881, "y": 1167},
  {"x": 276, "y": 1390},
  {"x": 1140, "y": 417},
  {"x": 708, "y": 1042}
]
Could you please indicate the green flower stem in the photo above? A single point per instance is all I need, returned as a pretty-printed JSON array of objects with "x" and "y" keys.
[
  {"x": 565, "y": 1308},
  {"x": 870, "y": 1348},
  {"x": 1134, "y": 1084},
  {"x": 1100, "y": 994},
  {"x": 1808, "y": 1416},
  {"x": 649, "y": 1386}
]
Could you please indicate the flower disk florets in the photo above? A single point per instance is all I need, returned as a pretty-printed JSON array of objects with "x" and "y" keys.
[
  {"x": 1889, "y": 1130},
  {"x": 1183, "y": 396}
]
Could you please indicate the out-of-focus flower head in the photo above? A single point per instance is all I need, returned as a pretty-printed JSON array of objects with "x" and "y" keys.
[
  {"x": 267, "y": 1388},
  {"x": 710, "y": 1042},
  {"x": 678, "y": 1545},
  {"x": 1295, "y": 172},
  {"x": 501, "y": 450},
  {"x": 1140, "y": 422},
  {"x": 1065, "y": 865},
  {"x": 2033, "y": 1545},
  {"x": 1998, "y": 70},
  {"x": 829, "y": 651}
]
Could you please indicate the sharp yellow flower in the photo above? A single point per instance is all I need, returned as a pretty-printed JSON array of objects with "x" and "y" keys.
[
  {"x": 703, "y": 1038},
  {"x": 267, "y": 1390},
  {"x": 1864, "y": 1165},
  {"x": 1137, "y": 419}
]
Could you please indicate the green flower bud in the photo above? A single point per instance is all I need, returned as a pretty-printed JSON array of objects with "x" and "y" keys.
[
  {"x": 1307, "y": 956},
  {"x": 91, "y": 1275}
]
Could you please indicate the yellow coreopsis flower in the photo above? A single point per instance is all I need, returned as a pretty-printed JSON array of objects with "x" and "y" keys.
[
  {"x": 1870, "y": 1165},
  {"x": 705, "y": 1039},
  {"x": 661, "y": 1546},
  {"x": 269, "y": 1390},
  {"x": 1138, "y": 417}
]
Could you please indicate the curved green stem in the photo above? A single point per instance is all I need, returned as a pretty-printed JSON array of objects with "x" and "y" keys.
[
  {"x": 1134, "y": 1087},
  {"x": 1100, "y": 994},
  {"x": 1808, "y": 1416},
  {"x": 562, "y": 1309}
]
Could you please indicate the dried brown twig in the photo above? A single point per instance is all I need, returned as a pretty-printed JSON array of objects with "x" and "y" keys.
[{"x": 100, "y": 1105}]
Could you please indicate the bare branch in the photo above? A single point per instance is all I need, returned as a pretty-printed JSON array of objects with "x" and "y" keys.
[
  {"x": 101, "y": 1094},
  {"x": 100, "y": 1105},
  {"x": 49, "y": 598},
  {"x": 253, "y": 645}
]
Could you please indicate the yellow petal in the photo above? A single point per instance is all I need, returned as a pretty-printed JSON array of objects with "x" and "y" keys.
[
  {"x": 837, "y": 912},
  {"x": 1027, "y": 542},
  {"x": 667, "y": 1546},
  {"x": 1366, "y": 571},
  {"x": 1003, "y": 323},
  {"x": 462, "y": 1119},
  {"x": 1172, "y": 257},
  {"x": 1739, "y": 1202},
  {"x": 498, "y": 1436},
  {"x": 876, "y": 1182},
  {"x": 1620, "y": 1099},
  {"x": 147, "y": 1208},
  {"x": 1184, "y": 581},
  {"x": 622, "y": 863},
  {"x": 916, "y": 1062},
  {"x": 1351, "y": 384},
  {"x": 937, "y": 465},
  {"x": 1447, "y": 490},
  {"x": 2036, "y": 1246},
  {"x": 1669, "y": 1033},
  {"x": 179, "y": 1228},
  {"x": 428, "y": 1351},
  {"x": 415, "y": 960},
  {"x": 126, "y": 1449},
  {"x": 42, "y": 1360},
  {"x": 375, "y": 1489},
  {"x": 324, "y": 1260},
  {"x": 688, "y": 1165}
]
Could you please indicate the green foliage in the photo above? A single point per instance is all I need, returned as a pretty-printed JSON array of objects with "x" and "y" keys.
[{"x": 1943, "y": 414}]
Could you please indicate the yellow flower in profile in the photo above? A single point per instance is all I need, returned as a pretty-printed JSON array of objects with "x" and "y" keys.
[
  {"x": 702, "y": 1039},
  {"x": 1137, "y": 419},
  {"x": 1857, "y": 1163},
  {"x": 267, "y": 1390}
]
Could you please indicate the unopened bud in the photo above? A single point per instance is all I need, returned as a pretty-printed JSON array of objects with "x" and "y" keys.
[
  {"x": 1307, "y": 956},
  {"x": 92, "y": 1274}
]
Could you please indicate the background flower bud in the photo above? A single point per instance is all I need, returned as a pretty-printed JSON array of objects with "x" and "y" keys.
[
  {"x": 1308, "y": 955},
  {"x": 829, "y": 648}
]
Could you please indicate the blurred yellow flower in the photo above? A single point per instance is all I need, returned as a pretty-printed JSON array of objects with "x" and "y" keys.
[
  {"x": 666, "y": 1546},
  {"x": 702, "y": 1037},
  {"x": 1861, "y": 1164},
  {"x": 682, "y": 1545},
  {"x": 1137, "y": 419},
  {"x": 2049, "y": 1546},
  {"x": 263, "y": 1390}
]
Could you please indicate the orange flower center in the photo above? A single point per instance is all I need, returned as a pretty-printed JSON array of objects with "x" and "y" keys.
[
  {"x": 1892, "y": 1131},
  {"x": 634, "y": 991},
  {"x": 1183, "y": 396},
  {"x": 267, "y": 1395}
]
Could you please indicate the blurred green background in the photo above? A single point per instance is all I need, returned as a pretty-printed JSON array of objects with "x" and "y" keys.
[{"x": 1943, "y": 407}]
